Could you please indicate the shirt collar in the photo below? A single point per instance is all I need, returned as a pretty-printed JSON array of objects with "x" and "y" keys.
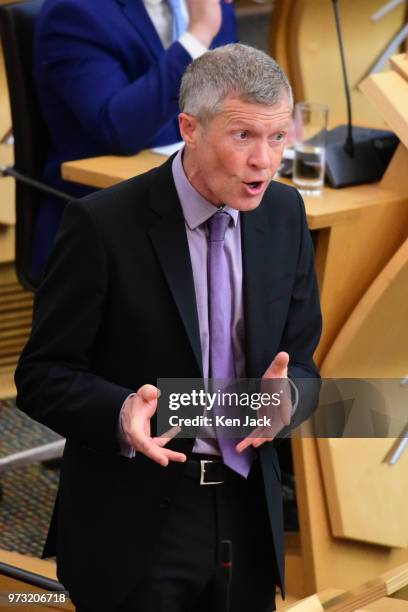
[{"x": 196, "y": 209}]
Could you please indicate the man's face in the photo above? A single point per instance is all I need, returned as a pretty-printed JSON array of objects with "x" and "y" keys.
[{"x": 232, "y": 158}]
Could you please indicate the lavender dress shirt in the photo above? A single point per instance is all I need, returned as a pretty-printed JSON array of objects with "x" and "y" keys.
[{"x": 196, "y": 211}]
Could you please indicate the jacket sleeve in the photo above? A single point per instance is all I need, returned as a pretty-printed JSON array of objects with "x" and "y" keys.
[
  {"x": 79, "y": 61},
  {"x": 303, "y": 329},
  {"x": 55, "y": 385}
]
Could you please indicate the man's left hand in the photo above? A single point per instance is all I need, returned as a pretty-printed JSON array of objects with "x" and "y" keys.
[{"x": 281, "y": 414}]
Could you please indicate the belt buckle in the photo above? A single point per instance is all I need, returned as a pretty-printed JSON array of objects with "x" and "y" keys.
[{"x": 202, "y": 481}]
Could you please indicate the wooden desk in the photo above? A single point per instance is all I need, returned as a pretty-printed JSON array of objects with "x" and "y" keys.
[{"x": 356, "y": 231}]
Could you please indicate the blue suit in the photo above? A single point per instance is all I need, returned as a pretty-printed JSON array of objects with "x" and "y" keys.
[{"x": 106, "y": 86}]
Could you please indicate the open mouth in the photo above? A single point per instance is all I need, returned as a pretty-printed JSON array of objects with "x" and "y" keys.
[{"x": 254, "y": 187}]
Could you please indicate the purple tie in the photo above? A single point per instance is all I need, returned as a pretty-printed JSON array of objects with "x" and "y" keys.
[{"x": 220, "y": 322}]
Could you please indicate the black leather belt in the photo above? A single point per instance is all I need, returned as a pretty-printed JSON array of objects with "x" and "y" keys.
[{"x": 211, "y": 471}]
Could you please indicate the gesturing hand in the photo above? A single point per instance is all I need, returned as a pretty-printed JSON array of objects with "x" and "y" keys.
[
  {"x": 135, "y": 420},
  {"x": 280, "y": 415}
]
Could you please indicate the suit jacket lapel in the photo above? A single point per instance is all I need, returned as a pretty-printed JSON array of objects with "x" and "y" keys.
[
  {"x": 267, "y": 277},
  {"x": 169, "y": 238},
  {"x": 136, "y": 13}
]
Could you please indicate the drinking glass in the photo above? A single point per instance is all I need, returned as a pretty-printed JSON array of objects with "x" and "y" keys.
[{"x": 310, "y": 146}]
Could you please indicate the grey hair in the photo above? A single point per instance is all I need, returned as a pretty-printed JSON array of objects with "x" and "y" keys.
[{"x": 233, "y": 70}]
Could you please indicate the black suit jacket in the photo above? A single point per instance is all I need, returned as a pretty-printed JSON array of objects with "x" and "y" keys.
[{"x": 116, "y": 310}]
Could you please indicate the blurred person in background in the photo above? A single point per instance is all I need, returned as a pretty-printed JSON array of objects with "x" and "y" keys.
[{"x": 108, "y": 74}]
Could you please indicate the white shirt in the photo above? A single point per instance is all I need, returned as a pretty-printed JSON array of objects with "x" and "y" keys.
[{"x": 160, "y": 14}]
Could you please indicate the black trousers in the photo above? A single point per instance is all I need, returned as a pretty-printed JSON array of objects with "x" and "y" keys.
[{"x": 186, "y": 574}]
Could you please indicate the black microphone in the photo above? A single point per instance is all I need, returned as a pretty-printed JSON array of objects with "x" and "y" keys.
[
  {"x": 226, "y": 569},
  {"x": 355, "y": 155}
]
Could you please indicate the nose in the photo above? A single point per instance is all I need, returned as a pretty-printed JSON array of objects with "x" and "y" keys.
[{"x": 260, "y": 156}]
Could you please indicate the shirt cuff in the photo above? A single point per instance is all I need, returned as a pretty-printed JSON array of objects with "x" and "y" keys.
[
  {"x": 125, "y": 449},
  {"x": 192, "y": 45}
]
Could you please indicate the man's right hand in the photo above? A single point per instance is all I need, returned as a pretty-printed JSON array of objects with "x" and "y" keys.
[
  {"x": 205, "y": 19},
  {"x": 135, "y": 420}
]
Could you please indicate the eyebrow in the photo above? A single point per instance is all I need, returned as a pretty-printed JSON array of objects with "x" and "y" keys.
[{"x": 245, "y": 124}]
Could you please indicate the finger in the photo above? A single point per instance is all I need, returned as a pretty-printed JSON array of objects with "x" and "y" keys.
[
  {"x": 148, "y": 393},
  {"x": 257, "y": 443},
  {"x": 258, "y": 436},
  {"x": 278, "y": 367},
  {"x": 241, "y": 446},
  {"x": 146, "y": 401},
  {"x": 161, "y": 455},
  {"x": 174, "y": 455},
  {"x": 247, "y": 441},
  {"x": 151, "y": 447},
  {"x": 147, "y": 447},
  {"x": 167, "y": 436}
]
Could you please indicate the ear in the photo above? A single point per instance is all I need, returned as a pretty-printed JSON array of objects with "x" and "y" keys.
[{"x": 189, "y": 128}]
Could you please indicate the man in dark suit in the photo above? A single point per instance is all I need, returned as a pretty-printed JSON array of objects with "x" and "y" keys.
[
  {"x": 134, "y": 291},
  {"x": 108, "y": 74}
]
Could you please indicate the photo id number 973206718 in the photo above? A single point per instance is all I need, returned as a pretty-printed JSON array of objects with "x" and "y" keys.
[{"x": 30, "y": 598}]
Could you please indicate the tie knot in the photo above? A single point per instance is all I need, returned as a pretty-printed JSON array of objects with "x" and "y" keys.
[{"x": 218, "y": 224}]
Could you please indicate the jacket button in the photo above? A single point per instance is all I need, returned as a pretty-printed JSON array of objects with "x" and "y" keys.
[{"x": 165, "y": 503}]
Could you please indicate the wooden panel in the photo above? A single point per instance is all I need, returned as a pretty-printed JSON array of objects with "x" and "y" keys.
[
  {"x": 396, "y": 175},
  {"x": 5, "y": 114},
  {"x": 386, "y": 604},
  {"x": 312, "y": 55},
  {"x": 388, "y": 92},
  {"x": 280, "y": 33},
  {"x": 328, "y": 560},
  {"x": 317, "y": 600},
  {"x": 374, "y": 341},
  {"x": 314, "y": 604},
  {"x": 7, "y": 207},
  {"x": 7, "y": 187},
  {"x": 400, "y": 64},
  {"x": 361, "y": 597},
  {"x": 7, "y": 243},
  {"x": 366, "y": 497},
  {"x": 294, "y": 571},
  {"x": 350, "y": 259}
]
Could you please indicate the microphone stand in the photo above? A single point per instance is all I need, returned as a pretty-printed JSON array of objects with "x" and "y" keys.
[
  {"x": 349, "y": 144},
  {"x": 355, "y": 155}
]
